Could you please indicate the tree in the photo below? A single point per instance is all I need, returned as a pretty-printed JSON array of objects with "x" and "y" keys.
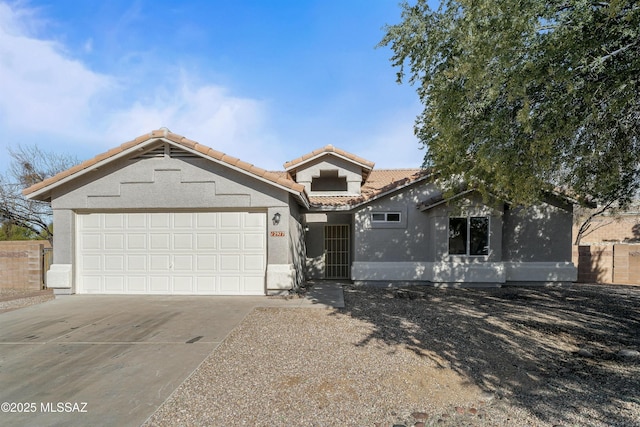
[
  {"x": 527, "y": 96},
  {"x": 29, "y": 165}
]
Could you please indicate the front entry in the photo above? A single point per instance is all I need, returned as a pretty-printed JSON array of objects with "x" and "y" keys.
[{"x": 336, "y": 252}]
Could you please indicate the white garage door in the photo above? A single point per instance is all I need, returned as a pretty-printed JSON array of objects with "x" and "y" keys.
[{"x": 203, "y": 253}]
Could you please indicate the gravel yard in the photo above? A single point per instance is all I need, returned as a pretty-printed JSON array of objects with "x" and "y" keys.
[{"x": 477, "y": 357}]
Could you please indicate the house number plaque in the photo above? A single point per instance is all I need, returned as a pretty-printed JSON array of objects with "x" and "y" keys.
[{"x": 277, "y": 234}]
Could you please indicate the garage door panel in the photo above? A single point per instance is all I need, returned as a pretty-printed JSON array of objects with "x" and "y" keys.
[
  {"x": 91, "y": 263},
  {"x": 171, "y": 253},
  {"x": 137, "y": 220},
  {"x": 230, "y": 220},
  {"x": 91, "y": 241},
  {"x": 230, "y": 285},
  {"x": 183, "y": 242},
  {"x": 114, "y": 241},
  {"x": 183, "y": 285},
  {"x": 206, "y": 241},
  {"x": 114, "y": 284},
  {"x": 136, "y": 242},
  {"x": 159, "y": 284},
  {"x": 183, "y": 220},
  {"x": 254, "y": 221},
  {"x": 160, "y": 241},
  {"x": 137, "y": 263},
  {"x": 206, "y": 285},
  {"x": 136, "y": 284},
  {"x": 206, "y": 220},
  {"x": 159, "y": 263},
  {"x": 229, "y": 241},
  {"x": 230, "y": 263},
  {"x": 253, "y": 241},
  {"x": 206, "y": 263},
  {"x": 183, "y": 263},
  {"x": 114, "y": 263},
  {"x": 254, "y": 263},
  {"x": 114, "y": 221},
  {"x": 253, "y": 285},
  {"x": 92, "y": 284}
]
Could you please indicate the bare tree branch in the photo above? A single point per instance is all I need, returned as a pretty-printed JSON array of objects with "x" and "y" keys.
[{"x": 29, "y": 165}]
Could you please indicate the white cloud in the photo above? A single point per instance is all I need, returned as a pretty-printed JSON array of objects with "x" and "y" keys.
[
  {"x": 47, "y": 92},
  {"x": 42, "y": 89},
  {"x": 207, "y": 114}
]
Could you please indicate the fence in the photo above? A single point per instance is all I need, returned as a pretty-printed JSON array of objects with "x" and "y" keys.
[
  {"x": 614, "y": 263},
  {"x": 23, "y": 264}
]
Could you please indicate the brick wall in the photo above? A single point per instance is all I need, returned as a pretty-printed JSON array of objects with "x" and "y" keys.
[
  {"x": 21, "y": 264},
  {"x": 614, "y": 263}
]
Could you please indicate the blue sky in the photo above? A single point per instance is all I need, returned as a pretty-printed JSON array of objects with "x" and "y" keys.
[{"x": 265, "y": 81}]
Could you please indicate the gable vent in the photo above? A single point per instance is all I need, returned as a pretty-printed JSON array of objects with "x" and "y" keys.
[
  {"x": 155, "y": 152},
  {"x": 178, "y": 152},
  {"x": 166, "y": 150}
]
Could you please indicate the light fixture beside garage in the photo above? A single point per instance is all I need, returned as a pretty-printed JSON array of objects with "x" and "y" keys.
[{"x": 276, "y": 218}]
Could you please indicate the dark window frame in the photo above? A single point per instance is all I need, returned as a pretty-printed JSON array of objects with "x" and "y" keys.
[{"x": 467, "y": 238}]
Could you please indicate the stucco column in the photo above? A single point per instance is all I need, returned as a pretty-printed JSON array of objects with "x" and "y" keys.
[
  {"x": 60, "y": 275},
  {"x": 280, "y": 272}
]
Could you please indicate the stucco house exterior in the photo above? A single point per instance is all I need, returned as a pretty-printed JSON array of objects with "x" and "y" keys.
[{"x": 163, "y": 214}]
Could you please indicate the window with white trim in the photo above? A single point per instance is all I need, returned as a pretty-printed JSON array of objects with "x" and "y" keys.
[
  {"x": 469, "y": 236},
  {"x": 385, "y": 217}
]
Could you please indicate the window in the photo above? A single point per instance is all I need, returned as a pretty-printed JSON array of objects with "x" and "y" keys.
[
  {"x": 469, "y": 236},
  {"x": 385, "y": 217}
]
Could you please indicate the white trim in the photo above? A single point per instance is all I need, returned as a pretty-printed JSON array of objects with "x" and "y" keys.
[
  {"x": 325, "y": 153},
  {"x": 541, "y": 272},
  {"x": 465, "y": 272}
]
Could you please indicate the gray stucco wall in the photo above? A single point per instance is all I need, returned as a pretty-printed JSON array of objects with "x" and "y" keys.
[
  {"x": 346, "y": 169},
  {"x": 409, "y": 240},
  {"x": 539, "y": 233},
  {"x": 166, "y": 183},
  {"x": 297, "y": 248}
]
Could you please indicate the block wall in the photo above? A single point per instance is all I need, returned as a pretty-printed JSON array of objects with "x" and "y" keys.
[
  {"x": 21, "y": 264},
  {"x": 619, "y": 263}
]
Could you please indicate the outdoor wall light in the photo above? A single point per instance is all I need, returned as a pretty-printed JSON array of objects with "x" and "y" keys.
[{"x": 276, "y": 218}]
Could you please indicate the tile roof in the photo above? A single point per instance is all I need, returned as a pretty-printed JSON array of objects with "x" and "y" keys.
[
  {"x": 378, "y": 183},
  {"x": 325, "y": 150},
  {"x": 164, "y": 133}
]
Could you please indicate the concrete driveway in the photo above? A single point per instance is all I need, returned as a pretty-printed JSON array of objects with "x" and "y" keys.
[{"x": 106, "y": 360}]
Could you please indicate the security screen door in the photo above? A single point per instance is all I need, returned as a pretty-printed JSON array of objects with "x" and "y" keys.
[{"x": 336, "y": 251}]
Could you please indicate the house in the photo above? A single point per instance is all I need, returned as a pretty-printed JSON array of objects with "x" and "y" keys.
[{"x": 162, "y": 214}]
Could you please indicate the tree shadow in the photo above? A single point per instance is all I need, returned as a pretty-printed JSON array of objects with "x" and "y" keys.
[
  {"x": 594, "y": 263},
  {"x": 523, "y": 344}
]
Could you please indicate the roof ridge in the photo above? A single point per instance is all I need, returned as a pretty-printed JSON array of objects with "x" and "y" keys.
[
  {"x": 166, "y": 134},
  {"x": 328, "y": 149}
]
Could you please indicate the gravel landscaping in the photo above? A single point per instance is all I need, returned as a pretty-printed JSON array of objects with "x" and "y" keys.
[
  {"x": 12, "y": 298},
  {"x": 424, "y": 356}
]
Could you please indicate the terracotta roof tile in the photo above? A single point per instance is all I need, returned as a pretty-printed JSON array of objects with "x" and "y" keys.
[
  {"x": 164, "y": 133},
  {"x": 328, "y": 149}
]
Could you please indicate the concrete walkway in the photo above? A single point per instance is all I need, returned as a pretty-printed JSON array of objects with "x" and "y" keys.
[{"x": 112, "y": 360}]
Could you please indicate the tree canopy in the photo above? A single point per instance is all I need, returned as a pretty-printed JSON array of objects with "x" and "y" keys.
[
  {"x": 527, "y": 96},
  {"x": 20, "y": 217}
]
